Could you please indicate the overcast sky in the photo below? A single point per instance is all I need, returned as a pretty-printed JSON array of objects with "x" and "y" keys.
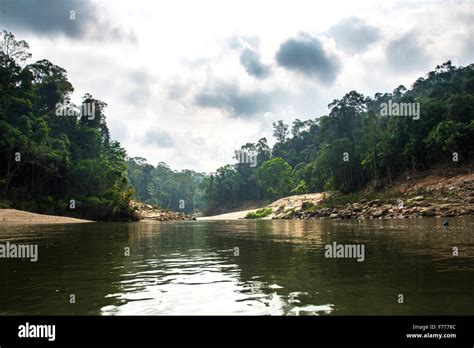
[{"x": 187, "y": 82}]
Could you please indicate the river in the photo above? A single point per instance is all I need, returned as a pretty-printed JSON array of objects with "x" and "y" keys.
[{"x": 271, "y": 267}]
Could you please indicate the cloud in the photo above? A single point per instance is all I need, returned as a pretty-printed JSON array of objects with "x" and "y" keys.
[
  {"x": 306, "y": 54},
  {"x": 54, "y": 18},
  {"x": 237, "y": 42},
  {"x": 138, "y": 96},
  {"x": 354, "y": 35},
  {"x": 176, "y": 91},
  {"x": 158, "y": 137},
  {"x": 251, "y": 61},
  {"x": 407, "y": 53},
  {"x": 118, "y": 130},
  {"x": 250, "y": 57},
  {"x": 137, "y": 87},
  {"x": 237, "y": 103}
]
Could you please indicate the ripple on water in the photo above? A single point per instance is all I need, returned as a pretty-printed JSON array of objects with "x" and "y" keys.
[
  {"x": 311, "y": 310},
  {"x": 191, "y": 269}
]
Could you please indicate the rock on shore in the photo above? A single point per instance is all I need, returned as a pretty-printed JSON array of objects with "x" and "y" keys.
[
  {"x": 442, "y": 197},
  {"x": 147, "y": 212},
  {"x": 377, "y": 209}
]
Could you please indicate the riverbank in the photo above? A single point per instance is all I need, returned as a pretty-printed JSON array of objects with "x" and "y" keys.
[
  {"x": 237, "y": 215},
  {"x": 143, "y": 213},
  {"x": 435, "y": 193},
  {"x": 282, "y": 205},
  {"x": 430, "y": 194},
  {"x": 19, "y": 216},
  {"x": 146, "y": 212}
]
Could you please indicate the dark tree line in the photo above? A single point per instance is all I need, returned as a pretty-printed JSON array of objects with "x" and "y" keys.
[
  {"x": 165, "y": 188},
  {"x": 65, "y": 165}
]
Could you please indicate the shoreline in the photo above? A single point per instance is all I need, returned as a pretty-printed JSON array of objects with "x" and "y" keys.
[
  {"x": 363, "y": 210},
  {"x": 432, "y": 193},
  {"x": 236, "y": 215},
  {"x": 14, "y": 216},
  {"x": 383, "y": 209}
]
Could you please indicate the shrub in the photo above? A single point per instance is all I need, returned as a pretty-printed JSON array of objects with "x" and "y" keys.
[{"x": 261, "y": 213}]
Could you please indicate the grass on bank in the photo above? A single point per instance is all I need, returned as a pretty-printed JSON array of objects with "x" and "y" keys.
[{"x": 261, "y": 213}]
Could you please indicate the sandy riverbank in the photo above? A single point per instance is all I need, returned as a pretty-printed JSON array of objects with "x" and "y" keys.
[
  {"x": 228, "y": 216},
  {"x": 291, "y": 202},
  {"x": 19, "y": 216}
]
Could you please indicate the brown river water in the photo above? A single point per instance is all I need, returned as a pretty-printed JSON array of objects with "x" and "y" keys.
[{"x": 271, "y": 267}]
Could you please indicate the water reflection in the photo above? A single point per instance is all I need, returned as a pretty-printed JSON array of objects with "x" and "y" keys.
[{"x": 191, "y": 268}]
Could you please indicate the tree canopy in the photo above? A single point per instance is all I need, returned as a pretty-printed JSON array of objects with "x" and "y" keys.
[{"x": 63, "y": 164}]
